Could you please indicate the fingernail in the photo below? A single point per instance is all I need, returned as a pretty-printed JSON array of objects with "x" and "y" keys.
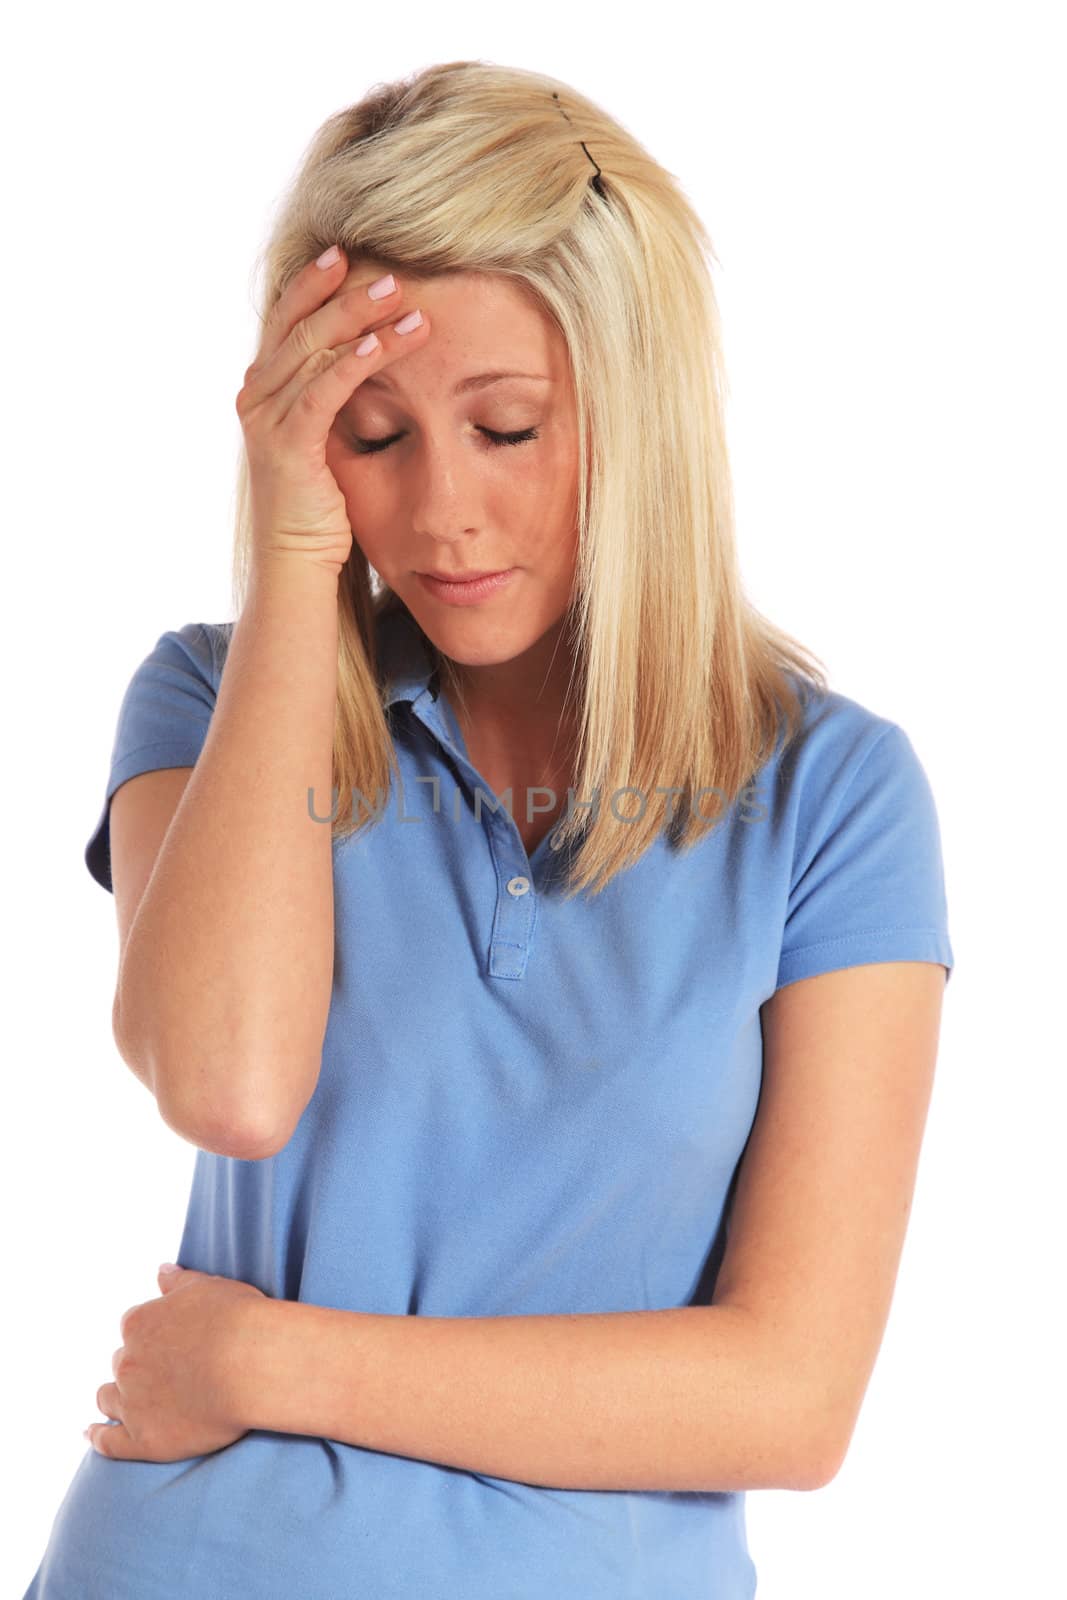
[
  {"x": 382, "y": 286},
  {"x": 328, "y": 257},
  {"x": 408, "y": 323}
]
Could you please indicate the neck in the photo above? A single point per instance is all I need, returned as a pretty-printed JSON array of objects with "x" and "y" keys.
[{"x": 518, "y": 714}]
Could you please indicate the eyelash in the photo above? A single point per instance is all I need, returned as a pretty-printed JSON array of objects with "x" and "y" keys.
[{"x": 373, "y": 447}]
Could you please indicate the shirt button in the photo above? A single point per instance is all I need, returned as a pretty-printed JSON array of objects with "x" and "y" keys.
[{"x": 517, "y": 886}]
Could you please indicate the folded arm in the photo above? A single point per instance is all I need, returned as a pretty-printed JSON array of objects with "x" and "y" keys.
[
  {"x": 677, "y": 1399},
  {"x": 762, "y": 1388}
]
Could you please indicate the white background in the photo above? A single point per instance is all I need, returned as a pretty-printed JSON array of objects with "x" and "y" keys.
[{"x": 883, "y": 186}]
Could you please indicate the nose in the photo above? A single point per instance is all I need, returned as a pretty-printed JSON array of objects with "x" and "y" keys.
[{"x": 445, "y": 500}]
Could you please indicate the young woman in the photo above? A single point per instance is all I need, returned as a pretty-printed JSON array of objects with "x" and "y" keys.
[{"x": 476, "y": 1295}]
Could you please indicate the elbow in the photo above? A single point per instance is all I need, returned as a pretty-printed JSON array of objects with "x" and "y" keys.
[
  {"x": 791, "y": 1432},
  {"x": 822, "y": 1471},
  {"x": 803, "y": 1415},
  {"x": 251, "y": 1130},
  {"x": 815, "y": 1472},
  {"x": 241, "y": 1136},
  {"x": 825, "y": 1433}
]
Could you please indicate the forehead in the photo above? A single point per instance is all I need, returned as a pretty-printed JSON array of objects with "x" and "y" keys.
[
  {"x": 498, "y": 302},
  {"x": 481, "y": 321}
]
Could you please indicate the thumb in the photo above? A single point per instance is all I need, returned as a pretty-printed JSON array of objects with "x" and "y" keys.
[{"x": 169, "y": 1275}]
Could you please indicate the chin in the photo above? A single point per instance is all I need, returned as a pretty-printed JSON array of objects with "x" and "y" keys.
[
  {"x": 473, "y": 640},
  {"x": 463, "y": 645}
]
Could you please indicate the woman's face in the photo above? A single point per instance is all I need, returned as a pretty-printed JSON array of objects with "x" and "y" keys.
[{"x": 444, "y": 496}]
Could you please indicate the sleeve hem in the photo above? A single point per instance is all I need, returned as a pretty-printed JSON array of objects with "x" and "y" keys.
[
  {"x": 860, "y": 949},
  {"x": 146, "y": 758},
  {"x": 164, "y": 753}
]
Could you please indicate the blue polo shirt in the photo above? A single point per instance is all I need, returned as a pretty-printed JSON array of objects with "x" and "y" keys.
[{"x": 525, "y": 1105}]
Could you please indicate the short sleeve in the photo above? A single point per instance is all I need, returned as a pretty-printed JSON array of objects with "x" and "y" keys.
[
  {"x": 162, "y": 722},
  {"x": 873, "y": 887}
]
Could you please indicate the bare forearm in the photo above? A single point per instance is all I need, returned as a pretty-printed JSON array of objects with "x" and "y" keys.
[
  {"x": 225, "y": 982},
  {"x": 682, "y": 1399}
]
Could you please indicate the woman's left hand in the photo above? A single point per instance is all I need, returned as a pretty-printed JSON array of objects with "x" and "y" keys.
[{"x": 178, "y": 1373}]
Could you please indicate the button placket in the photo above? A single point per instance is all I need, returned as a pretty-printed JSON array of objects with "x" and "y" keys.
[
  {"x": 515, "y": 913},
  {"x": 516, "y": 905}
]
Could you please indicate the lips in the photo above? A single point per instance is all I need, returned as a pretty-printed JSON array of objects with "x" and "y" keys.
[
  {"x": 464, "y": 577},
  {"x": 466, "y": 589}
]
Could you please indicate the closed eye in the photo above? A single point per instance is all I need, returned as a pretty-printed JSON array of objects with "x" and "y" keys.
[{"x": 369, "y": 447}]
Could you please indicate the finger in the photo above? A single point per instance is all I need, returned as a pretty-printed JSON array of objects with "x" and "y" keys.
[
  {"x": 116, "y": 1358},
  {"x": 314, "y": 400},
  {"x": 111, "y": 1439},
  {"x": 309, "y": 288},
  {"x": 127, "y": 1314},
  {"x": 347, "y": 316},
  {"x": 109, "y": 1400}
]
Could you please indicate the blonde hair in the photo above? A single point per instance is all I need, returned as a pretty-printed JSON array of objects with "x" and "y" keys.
[{"x": 677, "y": 680}]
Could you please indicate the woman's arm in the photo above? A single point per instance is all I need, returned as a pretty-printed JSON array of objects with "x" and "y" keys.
[
  {"x": 682, "y": 1399},
  {"x": 759, "y": 1390},
  {"x": 226, "y": 973}
]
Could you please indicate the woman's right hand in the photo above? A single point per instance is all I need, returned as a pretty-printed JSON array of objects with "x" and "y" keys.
[{"x": 305, "y": 370}]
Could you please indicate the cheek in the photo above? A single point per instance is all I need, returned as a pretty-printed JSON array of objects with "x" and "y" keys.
[
  {"x": 369, "y": 491},
  {"x": 368, "y": 514},
  {"x": 559, "y": 509},
  {"x": 541, "y": 479}
]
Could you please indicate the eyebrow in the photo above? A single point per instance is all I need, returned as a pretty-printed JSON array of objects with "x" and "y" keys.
[{"x": 480, "y": 380}]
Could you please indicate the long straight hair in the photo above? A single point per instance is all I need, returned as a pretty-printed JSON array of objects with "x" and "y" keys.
[{"x": 679, "y": 687}]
